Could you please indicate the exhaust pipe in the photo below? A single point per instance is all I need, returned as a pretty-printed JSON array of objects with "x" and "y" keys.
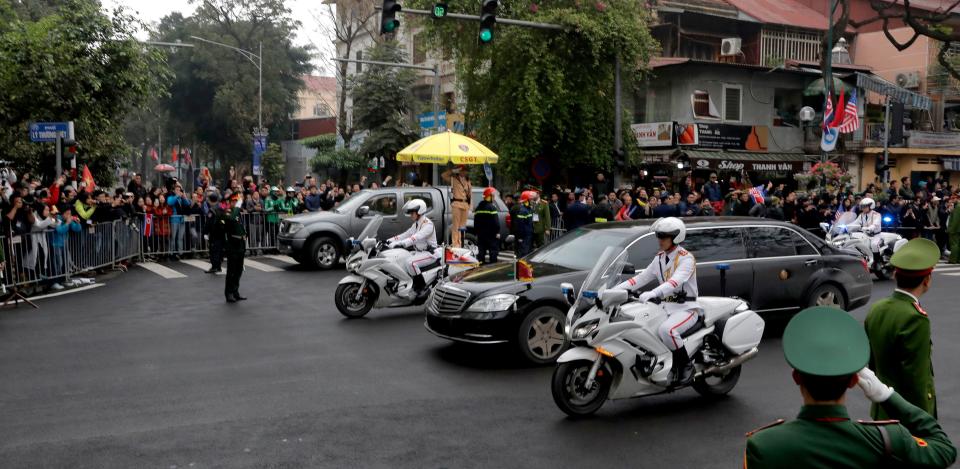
[{"x": 736, "y": 361}]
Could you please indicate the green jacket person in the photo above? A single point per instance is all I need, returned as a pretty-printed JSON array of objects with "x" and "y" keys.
[
  {"x": 953, "y": 231},
  {"x": 899, "y": 329},
  {"x": 541, "y": 221},
  {"x": 826, "y": 347},
  {"x": 230, "y": 228}
]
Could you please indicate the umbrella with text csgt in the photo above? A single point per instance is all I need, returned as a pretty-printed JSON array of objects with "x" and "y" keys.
[{"x": 447, "y": 147}]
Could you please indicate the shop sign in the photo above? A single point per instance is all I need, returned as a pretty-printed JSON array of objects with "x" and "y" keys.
[
  {"x": 733, "y": 137},
  {"x": 653, "y": 134},
  {"x": 743, "y": 165},
  {"x": 934, "y": 139}
]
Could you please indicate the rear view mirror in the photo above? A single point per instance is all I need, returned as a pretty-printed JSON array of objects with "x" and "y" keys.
[
  {"x": 567, "y": 289},
  {"x": 363, "y": 211},
  {"x": 629, "y": 269}
]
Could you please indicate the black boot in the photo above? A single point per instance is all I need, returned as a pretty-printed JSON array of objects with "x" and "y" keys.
[
  {"x": 231, "y": 298},
  {"x": 419, "y": 284},
  {"x": 682, "y": 368}
]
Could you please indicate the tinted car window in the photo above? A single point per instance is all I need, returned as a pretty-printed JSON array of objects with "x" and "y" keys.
[
  {"x": 385, "y": 205},
  {"x": 578, "y": 249},
  {"x": 775, "y": 241},
  {"x": 715, "y": 244},
  {"x": 419, "y": 195}
]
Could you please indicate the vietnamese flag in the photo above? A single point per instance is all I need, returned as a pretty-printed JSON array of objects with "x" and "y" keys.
[
  {"x": 88, "y": 179},
  {"x": 523, "y": 271},
  {"x": 174, "y": 153}
]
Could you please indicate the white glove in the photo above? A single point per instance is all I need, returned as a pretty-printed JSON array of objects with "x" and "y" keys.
[
  {"x": 872, "y": 387},
  {"x": 647, "y": 296}
]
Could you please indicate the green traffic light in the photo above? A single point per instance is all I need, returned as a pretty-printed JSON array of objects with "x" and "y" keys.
[
  {"x": 439, "y": 10},
  {"x": 486, "y": 35},
  {"x": 389, "y": 26}
]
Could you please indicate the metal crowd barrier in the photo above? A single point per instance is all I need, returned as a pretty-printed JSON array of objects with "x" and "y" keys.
[
  {"x": 177, "y": 235},
  {"x": 556, "y": 229}
]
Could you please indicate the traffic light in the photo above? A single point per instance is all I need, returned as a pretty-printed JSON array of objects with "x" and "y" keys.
[
  {"x": 488, "y": 18},
  {"x": 881, "y": 168},
  {"x": 440, "y": 10},
  {"x": 388, "y": 17},
  {"x": 896, "y": 123}
]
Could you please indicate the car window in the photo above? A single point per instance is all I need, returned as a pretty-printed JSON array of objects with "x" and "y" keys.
[
  {"x": 775, "y": 241},
  {"x": 715, "y": 244},
  {"x": 385, "y": 205},
  {"x": 578, "y": 249},
  {"x": 424, "y": 196},
  {"x": 642, "y": 251}
]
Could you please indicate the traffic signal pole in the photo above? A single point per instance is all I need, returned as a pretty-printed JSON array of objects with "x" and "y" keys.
[
  {"x": 461, "y": 16},
  {"x": 436, "y": 82}
]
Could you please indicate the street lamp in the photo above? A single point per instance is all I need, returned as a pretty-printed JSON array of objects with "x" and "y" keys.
[{"x": 256, "y": 63}]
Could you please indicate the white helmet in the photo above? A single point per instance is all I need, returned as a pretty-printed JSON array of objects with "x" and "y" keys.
[
  {"x": 868, "y": 201},
  {"x": 415, "y": 205},
  {"x": 671, "y": 227}
]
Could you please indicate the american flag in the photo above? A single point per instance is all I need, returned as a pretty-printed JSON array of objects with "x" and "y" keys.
[{"x": 851, "y": 121}]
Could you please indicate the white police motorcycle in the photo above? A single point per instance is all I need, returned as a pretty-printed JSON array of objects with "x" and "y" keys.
[
  {"x": 378, "y": 275},
  {"x": 843, "y": 234},
  {"x": 617, "y": 354}
]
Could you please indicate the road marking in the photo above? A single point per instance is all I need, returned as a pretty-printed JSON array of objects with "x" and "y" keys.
[
  {"x": 66, "y": 292},
  {"x": 282, "y": 258},
  {"x": 954, "y": 274},
  {"x": 946, "y": 269},
  {"x": 261, "y": 266},
  {"x": 202, "y": 265},
  {"x": 160, "y": 270}
]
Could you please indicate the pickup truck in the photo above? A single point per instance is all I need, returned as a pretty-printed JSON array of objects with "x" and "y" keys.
[{"x": 319, "y": 239}]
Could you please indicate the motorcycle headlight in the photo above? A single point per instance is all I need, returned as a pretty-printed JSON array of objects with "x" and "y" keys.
[
  {"x": 501, "y": 302},
  {"x": 838, "y": 244},
  {"x": 294, "y": 227},
  {"x": 583, "y": 330},
  {"x": 353, "y": 264}
]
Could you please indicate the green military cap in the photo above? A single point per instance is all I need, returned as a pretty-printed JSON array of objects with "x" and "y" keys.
[
  {"x": 919, "y": 255},
  {"x": 825, "y": 341}
]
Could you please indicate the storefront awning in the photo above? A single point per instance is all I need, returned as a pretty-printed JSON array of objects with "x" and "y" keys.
[
  {"x": 749, "y": 161},
  {"x": 885, "y": 88}
]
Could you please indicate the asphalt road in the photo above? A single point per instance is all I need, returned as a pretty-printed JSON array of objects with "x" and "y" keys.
[{"x": 150, "y": 371}]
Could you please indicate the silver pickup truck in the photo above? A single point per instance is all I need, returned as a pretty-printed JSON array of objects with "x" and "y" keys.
[{"x": 319, "y": 238}]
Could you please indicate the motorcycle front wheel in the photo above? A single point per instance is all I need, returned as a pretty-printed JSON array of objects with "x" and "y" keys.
[
  {"x": 354, "y": 305},
  {"x": 719, "y": 385},
  {"x": 569, "y": 392}
]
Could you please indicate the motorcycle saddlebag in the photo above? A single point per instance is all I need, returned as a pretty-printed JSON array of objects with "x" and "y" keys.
[{"x": 742, "y": 332}]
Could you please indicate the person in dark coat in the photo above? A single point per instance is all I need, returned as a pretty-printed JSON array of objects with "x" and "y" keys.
[
  {"x": 522, "y": 223},
  {"x": 577, "y": 213},
  {"x": 211, "y": 220},
  {"x": 486, "y": 225},
  {"x": 229, "y": 228}
]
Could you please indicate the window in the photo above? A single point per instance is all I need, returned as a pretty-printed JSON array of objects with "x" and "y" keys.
[
  {"x": 786, "y": 107},
  {"x": 732, "y": 95},
  {"x": 774, "y": 241},
  {"x": 419, "y": 195},
  {"x": 579, "y": 249},
  {"x": 359, "y": 56},
  {"x": 703, "y": 107},
  {"x": 321, "y": 109},
  {"x": 385, "y": 205},
  {"x": 641, "y": 252},
  {"x": 716, "y": 244},
  {"x": 777, "y": 46}
]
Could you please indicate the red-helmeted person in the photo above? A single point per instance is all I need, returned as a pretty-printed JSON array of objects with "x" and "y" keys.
[{"x": 675, "y": 271}]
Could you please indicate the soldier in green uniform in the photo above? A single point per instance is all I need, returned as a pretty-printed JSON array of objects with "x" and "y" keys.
[
  {"x": 899, "y": 329},
  {"x": 828, "y": 349},
  {"x": 229, "y": 228},
  {"x": 541, "y": 221},
  {"x": 953, "y": 233}
]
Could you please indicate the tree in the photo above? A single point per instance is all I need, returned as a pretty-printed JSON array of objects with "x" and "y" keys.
[
  {"x": 272, "y": 163},
  {"x": 383, "y": 102},
  {"x": 69, "y": 60},
  {"x": 213, "y": 99},
  {"x": 547, "y": 93}
]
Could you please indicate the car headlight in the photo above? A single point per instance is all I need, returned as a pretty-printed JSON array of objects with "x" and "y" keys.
[
  {"x": 501, "y": 302},
  {"x": 583, "y": 330},
  {"x": 294, "y": 227}
]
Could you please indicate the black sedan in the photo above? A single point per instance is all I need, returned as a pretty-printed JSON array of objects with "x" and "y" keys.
[{"x": 776, "y": 267}]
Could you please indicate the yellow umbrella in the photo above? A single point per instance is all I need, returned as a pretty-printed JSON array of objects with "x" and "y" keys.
[{"x": 447, "y": 147}]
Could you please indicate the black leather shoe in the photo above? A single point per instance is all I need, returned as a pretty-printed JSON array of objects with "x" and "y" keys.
[
  {"x": 231, "y": 299},
  {"x": 212, "y": 271}
]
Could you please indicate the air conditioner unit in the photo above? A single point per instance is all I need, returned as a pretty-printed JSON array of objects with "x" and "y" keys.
[
  {"x": 730, "y": 46},
  {"x": 909, "y": 79}
]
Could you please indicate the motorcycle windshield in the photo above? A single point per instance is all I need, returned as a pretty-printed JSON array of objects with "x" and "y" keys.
[
  {"x": 605, "y": 274},
  {"x": 370, "y": 231},
  {"x": 840, "y": 225}
]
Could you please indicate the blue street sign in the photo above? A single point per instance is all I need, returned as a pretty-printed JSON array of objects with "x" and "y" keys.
[
  {"x": 49, "y": 131},
  {"x": 259, "y": 147},
  {"x": 426, "y": 120}
]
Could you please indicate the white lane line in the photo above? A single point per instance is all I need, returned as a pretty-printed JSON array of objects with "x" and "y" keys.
[
  {"x": 160, "y": 270},
  {"x": 66, "y": 292},
  {"x": 202, "y": 265},
  {"x": 282, "y": 258},
  {"x": 946, "y": 269},
  {"x": 261, "y": 266},
  {"x": 954, "y": 274}
]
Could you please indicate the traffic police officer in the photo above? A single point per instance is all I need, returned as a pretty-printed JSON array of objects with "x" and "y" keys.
[
  {"x": 899, "y": 329},
  {"x": 215, "y": 241},
  {"x": 229, "y": 229},
  {"x": 828, "y": 349}
]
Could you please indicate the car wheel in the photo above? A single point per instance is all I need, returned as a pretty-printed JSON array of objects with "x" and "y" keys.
[
  {"x": 541, "y": 338},
  {"x": 324, "y": 253},
  {"x": 827, "y": 295}
]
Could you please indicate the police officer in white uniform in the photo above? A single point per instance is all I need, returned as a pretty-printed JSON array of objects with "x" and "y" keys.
[
  {"x": 675, "y": 269},
  {"x": 870, "y": 222},
  {"x": 422, "y": 237}
]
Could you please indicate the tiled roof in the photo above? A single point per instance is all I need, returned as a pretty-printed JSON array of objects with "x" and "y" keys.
[{"x": 319, "y": 84}]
